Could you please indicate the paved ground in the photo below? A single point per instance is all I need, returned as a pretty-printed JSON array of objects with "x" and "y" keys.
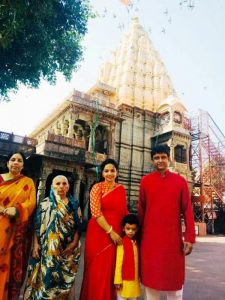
[
  {"x": 205, "y": 279},
  {"x": 205, "y": 271}
]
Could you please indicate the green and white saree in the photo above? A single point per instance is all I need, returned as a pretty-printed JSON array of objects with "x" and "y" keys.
[{"x": 52, "y": 276}]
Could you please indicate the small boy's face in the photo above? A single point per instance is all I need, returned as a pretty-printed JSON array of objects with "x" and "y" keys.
[{"x": 130, "y": 230}]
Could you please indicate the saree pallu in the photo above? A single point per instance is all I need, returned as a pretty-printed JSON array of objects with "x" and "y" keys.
[
  {"x": 100, "y": 251},
  {"x": 15, "y": 238},
  {"x": 52, "y": 276}
]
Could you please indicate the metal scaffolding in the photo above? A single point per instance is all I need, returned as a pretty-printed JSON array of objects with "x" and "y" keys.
[{"x": 208, "y": 162}]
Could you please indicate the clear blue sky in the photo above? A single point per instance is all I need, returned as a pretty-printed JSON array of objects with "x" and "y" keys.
[{"x": 189, "y": 40}]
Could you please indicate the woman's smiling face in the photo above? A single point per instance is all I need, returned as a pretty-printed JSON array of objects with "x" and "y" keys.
[{"x": 109, "y": 173}]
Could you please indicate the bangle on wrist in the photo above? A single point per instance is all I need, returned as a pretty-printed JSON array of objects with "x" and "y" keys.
[{"x": 110, "y": 230}]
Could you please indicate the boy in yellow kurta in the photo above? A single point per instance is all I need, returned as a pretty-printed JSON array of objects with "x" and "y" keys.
[{"x": 126, "y": 278}]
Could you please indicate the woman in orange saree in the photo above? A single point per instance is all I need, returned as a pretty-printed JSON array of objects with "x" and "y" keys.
[
  {"x": 108, "y": 207},
  {"x": 17, "y": 202}
]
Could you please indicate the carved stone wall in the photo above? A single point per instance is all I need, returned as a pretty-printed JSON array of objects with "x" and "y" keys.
[{"x": 133, "y": 136}]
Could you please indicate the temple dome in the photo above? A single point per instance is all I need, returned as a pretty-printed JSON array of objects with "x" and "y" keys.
[
  {"x": 137, "y": 72},
  {"x": 174, "y": 103}
]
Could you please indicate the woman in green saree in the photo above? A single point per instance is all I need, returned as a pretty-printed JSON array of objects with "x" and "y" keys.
[{"x": 56, "y": 249}]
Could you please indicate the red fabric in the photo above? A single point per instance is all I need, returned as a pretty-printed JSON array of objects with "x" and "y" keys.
[
  {"x": 19, "y": 258},
  {"x": 20, "y": 210},
  {"x": 128, "y": 267},
  {"x": 162, "y": 200},
  {"x": 100, "y": 251}
]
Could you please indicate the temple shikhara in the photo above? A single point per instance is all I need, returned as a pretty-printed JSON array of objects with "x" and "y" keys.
[{"x": 131, "y": 107}]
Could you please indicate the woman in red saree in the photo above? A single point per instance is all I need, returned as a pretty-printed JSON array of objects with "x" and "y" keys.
[
  {"x": 108, "y": 207},
  {"x": 17, "y": 202}
]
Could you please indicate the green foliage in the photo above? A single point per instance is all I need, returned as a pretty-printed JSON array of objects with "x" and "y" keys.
[{"x": 38, "y": 39}]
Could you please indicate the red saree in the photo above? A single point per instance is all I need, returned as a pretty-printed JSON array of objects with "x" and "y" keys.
[
  {"x": 15, "y": 234},
  {"x": 100, "y": 251}
]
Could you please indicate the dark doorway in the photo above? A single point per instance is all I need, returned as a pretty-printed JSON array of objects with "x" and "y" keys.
[{"x": 81, "y": 196}]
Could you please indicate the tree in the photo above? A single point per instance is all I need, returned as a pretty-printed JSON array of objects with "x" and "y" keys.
[{"x": 39, "y": 39}]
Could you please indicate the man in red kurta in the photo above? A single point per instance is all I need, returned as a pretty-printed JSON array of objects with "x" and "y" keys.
[{"x": 164, "y": 199}]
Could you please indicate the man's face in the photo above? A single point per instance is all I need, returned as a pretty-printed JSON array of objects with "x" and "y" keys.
[{"x": 160, "y": 161}]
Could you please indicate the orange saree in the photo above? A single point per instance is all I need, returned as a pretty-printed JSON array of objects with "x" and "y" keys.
[{"x": 14, "y": 233}]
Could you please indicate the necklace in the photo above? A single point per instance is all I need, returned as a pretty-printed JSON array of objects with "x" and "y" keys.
[{"x": 110, "y": 187}]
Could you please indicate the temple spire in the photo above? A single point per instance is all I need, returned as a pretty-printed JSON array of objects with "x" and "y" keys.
[{"x": 137, "y": 72}]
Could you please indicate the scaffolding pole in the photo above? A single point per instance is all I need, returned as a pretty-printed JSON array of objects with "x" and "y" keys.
[{"x": 207, "y": 163}]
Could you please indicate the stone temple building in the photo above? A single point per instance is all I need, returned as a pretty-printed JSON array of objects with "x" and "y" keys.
[{"x": 131, "y": 107}]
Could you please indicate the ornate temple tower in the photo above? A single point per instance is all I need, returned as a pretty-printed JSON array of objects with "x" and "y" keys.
[
  {"x": 137, "y": 72},
  {"x": 132, "y": 107},
  {"x": 151, "y": 110}
]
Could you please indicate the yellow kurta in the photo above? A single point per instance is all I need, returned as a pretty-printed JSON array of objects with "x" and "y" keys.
[{"x": 130, "y": 288}]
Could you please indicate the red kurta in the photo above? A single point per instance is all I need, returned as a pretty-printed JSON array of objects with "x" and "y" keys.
[
  {"x": 162, "y": 200},
  {"x": 100, "y": 251}
]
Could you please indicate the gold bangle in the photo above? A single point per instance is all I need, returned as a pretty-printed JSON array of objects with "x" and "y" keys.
[{"x": 110, "y": 230}]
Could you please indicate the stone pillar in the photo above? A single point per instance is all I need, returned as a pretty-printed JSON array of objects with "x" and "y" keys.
[
  {"x": 61, "y": 125},
  {"x": 86, "y": 200},
  {"x": 189, "y": 173},
  {"x": 71, "y": 119},
  {"x": 172, "y": 146},
  {"x": 46, "y": 170},
  {"x": 41, "y": 188},
  {"x": 188, "y": 155},
  {"x": 76, "y": 187},
  {"x": 111, "y": 142},
  {"x": 90, "y": 148}
]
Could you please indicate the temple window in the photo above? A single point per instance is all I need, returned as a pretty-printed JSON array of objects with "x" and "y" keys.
[
  {"x": 101, "y": 139},
  {"x": 82, "y": 132},
  {"x": 87, "y": 135},
  {"x": 58, "y": 128},
  {"x": 177, "y": 117},
  {"x": 180, "y": 154},
  {"x": 165, "y": 117},
  {"x": 78, "y": 130},
  {"x": 65, "y": 127}
]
